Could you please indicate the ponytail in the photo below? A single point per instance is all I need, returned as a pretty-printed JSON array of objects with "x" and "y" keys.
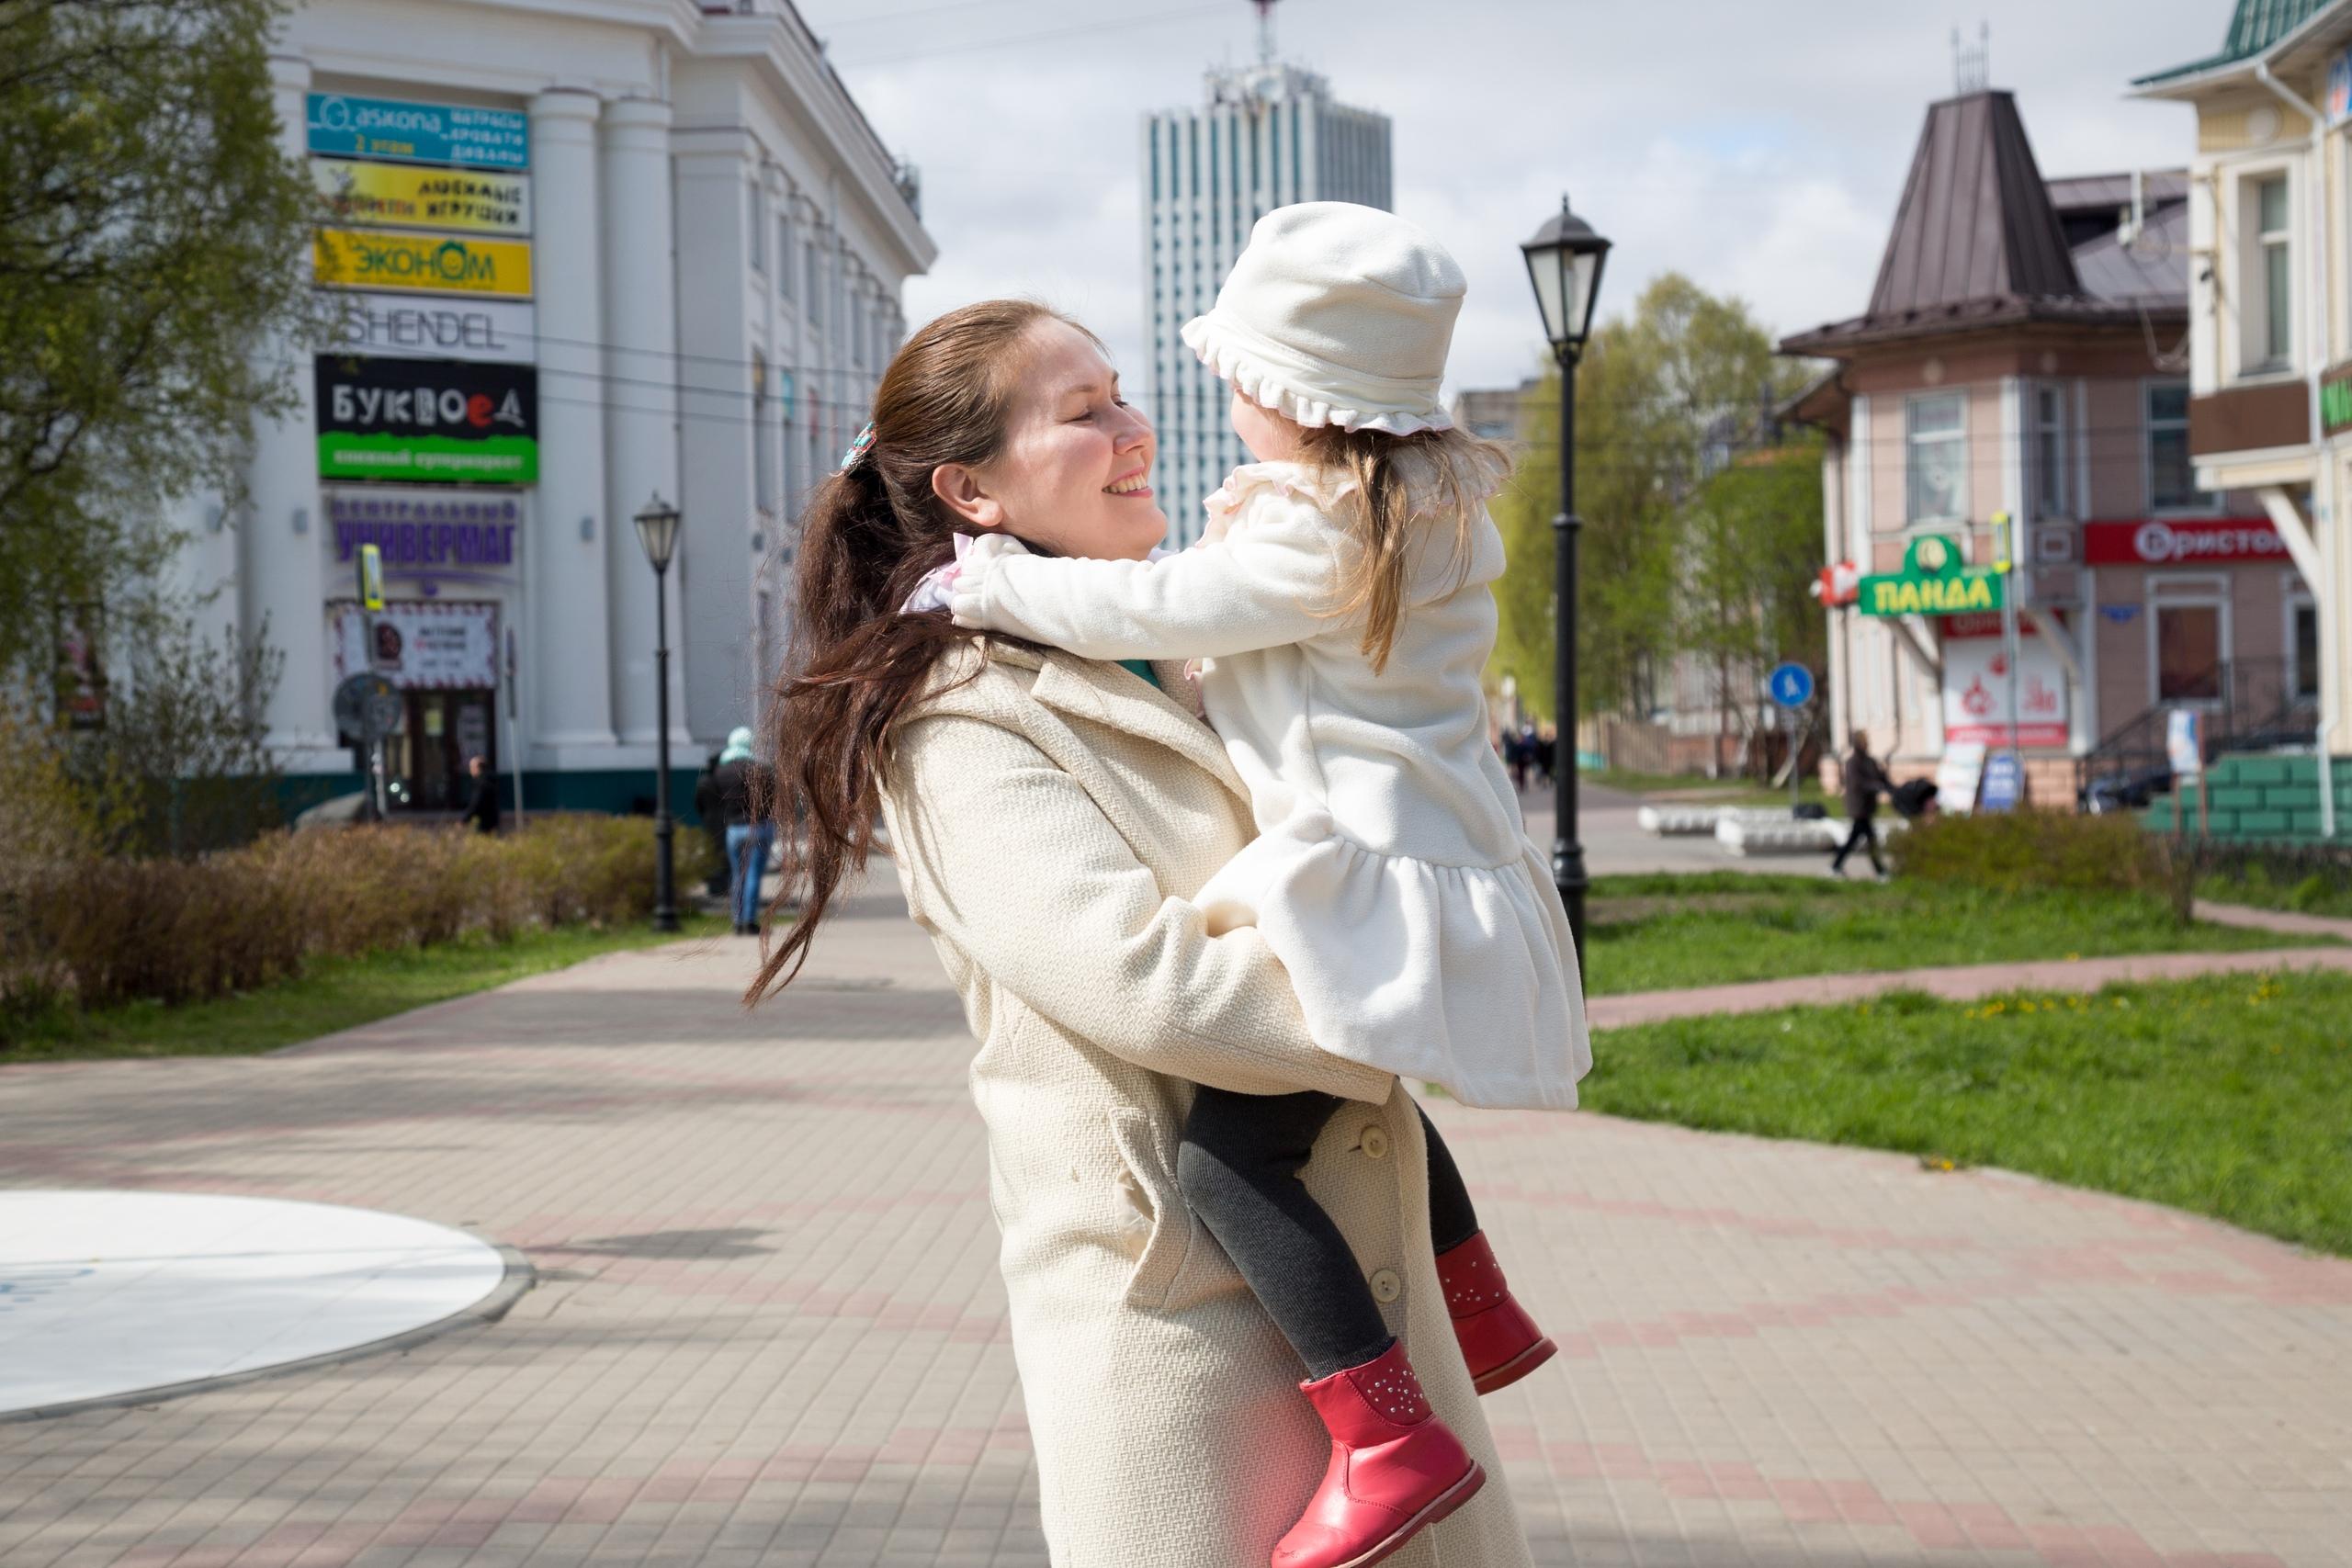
[{"x": 856, "y": 663}]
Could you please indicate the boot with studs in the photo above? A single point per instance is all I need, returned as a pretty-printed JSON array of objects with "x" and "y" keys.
[
  {"x": 1501, "y": 1344},
  {"x": 1395, "y": 1469}
]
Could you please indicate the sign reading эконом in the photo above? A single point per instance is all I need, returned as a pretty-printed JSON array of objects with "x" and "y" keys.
[{"x": 347, "y": 127}]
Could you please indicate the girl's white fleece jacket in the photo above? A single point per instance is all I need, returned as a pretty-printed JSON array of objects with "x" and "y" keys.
[{"x": 1391, "y": 875}]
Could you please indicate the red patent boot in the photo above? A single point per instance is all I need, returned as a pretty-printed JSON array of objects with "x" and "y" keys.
[
  {"x": 1396, "y": 1468},
  {"x": 1501, "y": 1344}
]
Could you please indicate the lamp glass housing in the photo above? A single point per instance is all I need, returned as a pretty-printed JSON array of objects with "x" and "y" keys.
[
  {"x": 1563, "y": 263},
  {"x": 657, "y": 530}
]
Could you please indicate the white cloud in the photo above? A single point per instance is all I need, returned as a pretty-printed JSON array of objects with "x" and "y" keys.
[{"x": 1759, "y": 150}]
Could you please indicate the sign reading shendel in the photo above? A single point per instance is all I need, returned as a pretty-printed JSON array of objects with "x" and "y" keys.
[
  {"x": 403, "y": 196},
  {"x": 375, "y": 258},
  {"x": 445, "y": 421},
  {"x": 416, "y": 326},
  {"x": 348, "y": 126},
  {"x": 1932, "y": 582}
]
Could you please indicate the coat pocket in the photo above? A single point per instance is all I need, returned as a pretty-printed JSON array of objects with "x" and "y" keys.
[{"x": 1152, "y": 1212}]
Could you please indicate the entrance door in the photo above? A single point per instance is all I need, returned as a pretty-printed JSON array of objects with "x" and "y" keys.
[{"x": 445, "y": 731}]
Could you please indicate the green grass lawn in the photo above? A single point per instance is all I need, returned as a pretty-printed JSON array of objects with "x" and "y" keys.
[
  {"x": 1649, "y": 934},
  {"x": 1700, "y": 790},
  {"x": 339, "y": 993},
  {"x": 2225, "y": 1095}
]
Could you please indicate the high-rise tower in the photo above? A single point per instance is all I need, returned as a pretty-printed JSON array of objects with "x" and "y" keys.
[{"x": 1270, "y": 135}]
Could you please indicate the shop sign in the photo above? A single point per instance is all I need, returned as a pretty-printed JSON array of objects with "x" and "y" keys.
[
  {"x": 440, "y": 421},
  {"x": 2181, "y": 542},
  {"x": 1976, "y": 692},
  {"x": 423, "y": 532},
  {"x": 81, "y": 683},
  {"x": 426, "y": 645},
  {"x": 2336, "y": 399},
  {"x": 405, "y": 195},
  {"x": 1932, "y": 582},
  {"x": 344, "y": 126},
  {"x": 372, "y": 258},
  {"x": 2339, "y": 88},
  {"x": 409, "y": 326}
]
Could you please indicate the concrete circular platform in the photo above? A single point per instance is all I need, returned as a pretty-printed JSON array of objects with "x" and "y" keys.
[{"x": 107, "y": 1295}]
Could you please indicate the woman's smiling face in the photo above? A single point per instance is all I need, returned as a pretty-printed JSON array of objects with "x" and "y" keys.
[{"x": 1074, "y": 477}]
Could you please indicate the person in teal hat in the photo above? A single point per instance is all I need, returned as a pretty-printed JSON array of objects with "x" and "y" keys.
[{"x": 743, "y": 786}]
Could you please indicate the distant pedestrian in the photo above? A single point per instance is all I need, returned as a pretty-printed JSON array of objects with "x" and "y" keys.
[
  {"x": 1518, "y": 755},
  {"x": 714, "y": 829},
  {"x": 1545, "y": 750},
  {"x": 1865, "y": 780},
  {"x": 481, "y": 804},
  {"x": 742, "y": 788}
]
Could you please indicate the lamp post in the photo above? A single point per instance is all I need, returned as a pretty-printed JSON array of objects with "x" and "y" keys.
[
  {"x": 1563, "y": 263},
  {"x": 657, "y": 530}
]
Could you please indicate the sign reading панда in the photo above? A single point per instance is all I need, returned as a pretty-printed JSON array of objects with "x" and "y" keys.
[
  {"x": 416, "y": 326},
  {"x": 345, "y": 126},
  {"x": 376, "y": 258},
  {"x": 469, "y": 201},
  {"x": 445, "y": 421},
  {"x": 1932, "y": 582}
]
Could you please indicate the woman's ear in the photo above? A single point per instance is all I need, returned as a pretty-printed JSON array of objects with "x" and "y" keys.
[{"x": 966, "y": 496}]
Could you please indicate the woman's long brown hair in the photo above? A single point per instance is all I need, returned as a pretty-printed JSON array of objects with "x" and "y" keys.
[{"x": 866, "y": 539}]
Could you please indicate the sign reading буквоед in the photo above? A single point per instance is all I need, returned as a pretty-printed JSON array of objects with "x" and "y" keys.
[
  {"x": 447, "y": 420},
  {"x": 371, "y": 258},
  {"x": 344, "y": 126}
]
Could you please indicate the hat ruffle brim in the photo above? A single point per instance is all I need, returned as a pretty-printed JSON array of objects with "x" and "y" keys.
[{"x": 1289, "y": 392}]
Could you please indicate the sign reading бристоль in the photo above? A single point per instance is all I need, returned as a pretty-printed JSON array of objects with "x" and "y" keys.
[
  {"x": 348, "y": 126},
  {"x": 445, "y": 421}
]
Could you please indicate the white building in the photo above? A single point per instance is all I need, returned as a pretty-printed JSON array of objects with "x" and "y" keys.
[
  {"x": 589, "y": 251},
  {"x": 1270, "y": 135}
]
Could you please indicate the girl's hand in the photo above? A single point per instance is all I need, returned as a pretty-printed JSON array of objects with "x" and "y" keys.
[{"x": 967, "y": 596}]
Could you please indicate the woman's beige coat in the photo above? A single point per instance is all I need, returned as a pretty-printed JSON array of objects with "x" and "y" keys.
[{"x": 1049, "y": 818}]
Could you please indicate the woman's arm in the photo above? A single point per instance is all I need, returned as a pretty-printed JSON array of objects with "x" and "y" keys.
[
  {"x": 1258, "y": 588},
  {"x": 1010, "y": 860}
]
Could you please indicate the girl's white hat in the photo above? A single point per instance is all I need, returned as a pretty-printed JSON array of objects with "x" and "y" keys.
[{"x": 1336, "y": 314}]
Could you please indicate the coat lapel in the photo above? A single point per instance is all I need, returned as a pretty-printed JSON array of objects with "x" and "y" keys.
[{"x": 1108, "y": 695}]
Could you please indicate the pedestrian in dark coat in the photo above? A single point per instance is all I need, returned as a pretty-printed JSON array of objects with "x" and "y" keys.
[
  {"x": 481, "y": 804},
  {"x": 1865, "y": 780},
  {"x": 743, "y": 788}
]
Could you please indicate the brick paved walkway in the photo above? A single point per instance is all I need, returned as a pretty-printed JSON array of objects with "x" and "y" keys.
[{"x": 769, "y": 1331}]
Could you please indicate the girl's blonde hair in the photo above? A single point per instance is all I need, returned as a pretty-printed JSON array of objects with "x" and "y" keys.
[{"x": 1400, "y": 484}]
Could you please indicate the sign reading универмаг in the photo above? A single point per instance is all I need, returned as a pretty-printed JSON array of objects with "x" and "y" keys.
[
  {"x": 440, "y": 421},
  {"x": 342, "y": 126}
]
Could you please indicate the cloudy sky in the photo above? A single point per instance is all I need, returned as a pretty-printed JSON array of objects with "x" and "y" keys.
[{"x": 1759, "y": 149}]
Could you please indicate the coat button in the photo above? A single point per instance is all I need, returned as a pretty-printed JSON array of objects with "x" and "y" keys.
[
  {"x": 1374, "y": 1143},
  {"x": 1385, "y": 1286}
]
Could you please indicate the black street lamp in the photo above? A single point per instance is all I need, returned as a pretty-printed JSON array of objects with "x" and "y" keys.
[
  {"x": 657, "y": 530},
  {"x": 1564, "y": 263}
]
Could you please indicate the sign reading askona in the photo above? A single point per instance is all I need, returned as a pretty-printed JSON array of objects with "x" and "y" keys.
[{"x": 1932, "y": 582}]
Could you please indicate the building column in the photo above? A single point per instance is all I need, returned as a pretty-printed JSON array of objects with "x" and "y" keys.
[
  {"x": 571, "y": 690},
  {"x": 281, "y": 587},
  {"x": 640, "y": 356}
]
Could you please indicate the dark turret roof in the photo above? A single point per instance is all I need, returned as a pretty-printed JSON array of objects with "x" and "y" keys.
[{"x": 1978, "y": 241}]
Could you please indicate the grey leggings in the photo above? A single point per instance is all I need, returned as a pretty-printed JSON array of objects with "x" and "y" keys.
[{"x": 1239, "y": 1166}]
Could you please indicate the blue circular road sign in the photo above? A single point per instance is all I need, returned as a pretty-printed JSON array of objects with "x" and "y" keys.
[{"x": 1790, "y": 685}]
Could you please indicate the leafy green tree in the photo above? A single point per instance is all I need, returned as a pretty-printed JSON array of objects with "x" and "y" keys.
[
  {"x": 1654, "y": 386},
  {"x": 1750, "y": 547},
  {"x": 152, "y": 237}
]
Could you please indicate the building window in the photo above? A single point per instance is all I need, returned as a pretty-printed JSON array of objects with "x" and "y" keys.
[
  {"x": 784, "y": 271},
  {"x": 2302, "y": 645},
  {"x": 2050, "y": 451},
  {"x": 816, "y": 286},
  {"x": 759, "y": 227},
  {"x": 763, "y": 445},
  {"x": 2172, "y": 477},
  {"x": 2268, "y": 321},
  {"x": 1935, "y": 477},
  {"x": 2189, "y": 624}
]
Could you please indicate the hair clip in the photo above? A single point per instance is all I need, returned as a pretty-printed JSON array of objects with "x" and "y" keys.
[{"x": 857, "y": 448}]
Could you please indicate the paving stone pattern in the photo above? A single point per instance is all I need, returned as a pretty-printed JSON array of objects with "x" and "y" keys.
[{"x": 769, "y": 1331}]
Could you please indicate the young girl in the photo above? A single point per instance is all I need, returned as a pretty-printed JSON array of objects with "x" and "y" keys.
[{"x": 1341, "y": 611}]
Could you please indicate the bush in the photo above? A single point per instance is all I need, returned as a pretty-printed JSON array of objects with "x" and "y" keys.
[
  {"x": 2312, "y": 879},
  {"x": 2010, "y": 852},
  {"x": 82, "y": 930}
]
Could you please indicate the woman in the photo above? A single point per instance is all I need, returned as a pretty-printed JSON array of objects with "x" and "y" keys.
[{"x": 1050, "y": 816}]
